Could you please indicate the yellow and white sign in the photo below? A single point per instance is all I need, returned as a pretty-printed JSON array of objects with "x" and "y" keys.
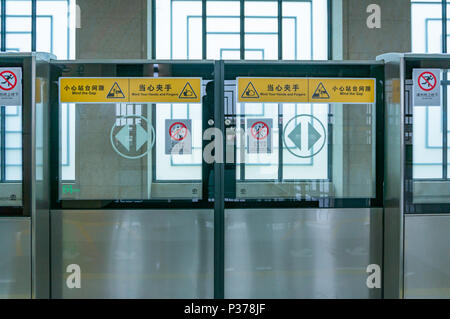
[
  {"x": 130, "y": 90},
  {"x": 341, "y": 90},
  {"x": 165, "y": 90},
  {"x": 306, "y": 90},
  {"x": 273, "y": 90}
]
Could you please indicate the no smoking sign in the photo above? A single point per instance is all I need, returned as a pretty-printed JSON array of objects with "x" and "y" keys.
[
  {"x": 426, "y": 87},
  {"x": 11, "y": 86}
]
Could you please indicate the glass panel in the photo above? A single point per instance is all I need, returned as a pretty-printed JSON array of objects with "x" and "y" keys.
[
  {"x": 55, "y": 24},
  {"x": 426, "y": 26},
  {"x": 67, "y": 140},
  {"x": 261, "y": 30},
  {"x": 448, "y": 27},
  {"x": 223, "y": 30},
  {"x": 339, "y": 161},
  {"x": 1, "y": 17},
  {"x": 11, "y": 156},
  {"x": 427, "y": 141},
  {"x": 176, "y": 166},
  {"x": 305, "y": 34},
  {"x": 123, "y": 151},
  {"x": 179, "y": 29},
  {"x": 430, "y": 172},
  {"x": 18, "y": 26}
]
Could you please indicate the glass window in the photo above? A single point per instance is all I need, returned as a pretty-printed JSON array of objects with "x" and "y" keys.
[
  {"x": 18, "y": 26},
  {"x": 178, "y": 33},
  {"x": 55, "y": 24},
  {"x": 55, "y": 27},
  {"x": 261, "y": 30},
  {"x": 223, "y": 30},
  {"x": 429, "y": 170},
  {"x": 55, "y": 34},
  {"x": 178, "y": 29},
  {"x": 428, "y": 141},
  {"x": 426, "y": 26},
  {"x": 305, "y": 30}
]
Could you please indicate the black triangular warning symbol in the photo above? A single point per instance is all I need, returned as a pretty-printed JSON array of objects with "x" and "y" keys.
[
  {"x": 321, "y": 92},
  {"x": 115, "y": 92},
  {"x": 187, "y": 92},
  {"x": 250, "y": 92}
]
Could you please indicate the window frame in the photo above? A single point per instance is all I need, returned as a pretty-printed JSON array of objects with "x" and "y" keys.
[{"x": 242, "y": 17}]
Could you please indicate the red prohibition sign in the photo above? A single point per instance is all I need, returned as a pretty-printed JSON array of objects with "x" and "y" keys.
[
  {"x": 430, "y": 80},
  {"x": 179, "y": 131},
  {"x": 7, "y": 80},
  {"x": 259, "y": 130}
]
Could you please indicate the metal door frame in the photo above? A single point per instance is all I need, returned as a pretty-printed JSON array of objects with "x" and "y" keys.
[
  {"x": 223, "y": 70},
  {"x": 133, "y": 68},
  {"x": 337, "y": 69},
  {"x": 398, "y": 68}
]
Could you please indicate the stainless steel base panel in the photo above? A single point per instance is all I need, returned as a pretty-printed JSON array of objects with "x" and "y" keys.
[
  {"x": 427, "y": 256},
  {"x": 301, "y": 253},
  {"x": 133, "y": 253},
  {"x": 15, "y": 258}
]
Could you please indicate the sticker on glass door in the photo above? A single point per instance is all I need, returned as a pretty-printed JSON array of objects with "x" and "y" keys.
[
  {"x": 132, "y": 136},
  {"x": 259, "y": 136},
  {"x": 178, "y": 137},
  {"x": 304, "y": 136}
]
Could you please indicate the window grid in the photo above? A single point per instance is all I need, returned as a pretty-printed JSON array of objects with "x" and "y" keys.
[
  {"x": 429, "y": 46},
  {"x": 40, "y": 24},
  {"x": 201, "y": 14}
]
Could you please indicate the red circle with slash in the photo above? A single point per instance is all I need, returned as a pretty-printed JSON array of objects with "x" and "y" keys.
[
  {"x": 2, "y": 76},
  {"x": 426, "y": 76},
  {"x": 259, "y": 130},
  {"x": 180, "y": 128}
]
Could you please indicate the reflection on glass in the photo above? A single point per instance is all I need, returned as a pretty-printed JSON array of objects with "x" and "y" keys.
[
  {"x": 427, "y": 142},
  {"x": 303, "y": 151},
  {"x": 11, "y": 156},
  {"x": 430, "y": 172},
  {"x": 18, "y": 26},
  {"x": 55, "y": 27},
  {"x": 179, "y": 29},
  {"x": 426, "y": 26},
  {"x": 223, "y": 30},
  {"x": 261, "y": 30}
]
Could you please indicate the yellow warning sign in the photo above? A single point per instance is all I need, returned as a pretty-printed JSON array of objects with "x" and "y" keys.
[
  {"x": 306, "y": 90},
  {"x": 341, "y": 90},
  {"x": 165, "y": 90},
  {"x": 272, "y": 90},
  {"x": 321, "y": 92},
  {"x": 250, "y": 92},
  {"x": 93, "y": 90},
  {"x": 139, "y": 90},
  {"x": 115, "y": 92}
]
